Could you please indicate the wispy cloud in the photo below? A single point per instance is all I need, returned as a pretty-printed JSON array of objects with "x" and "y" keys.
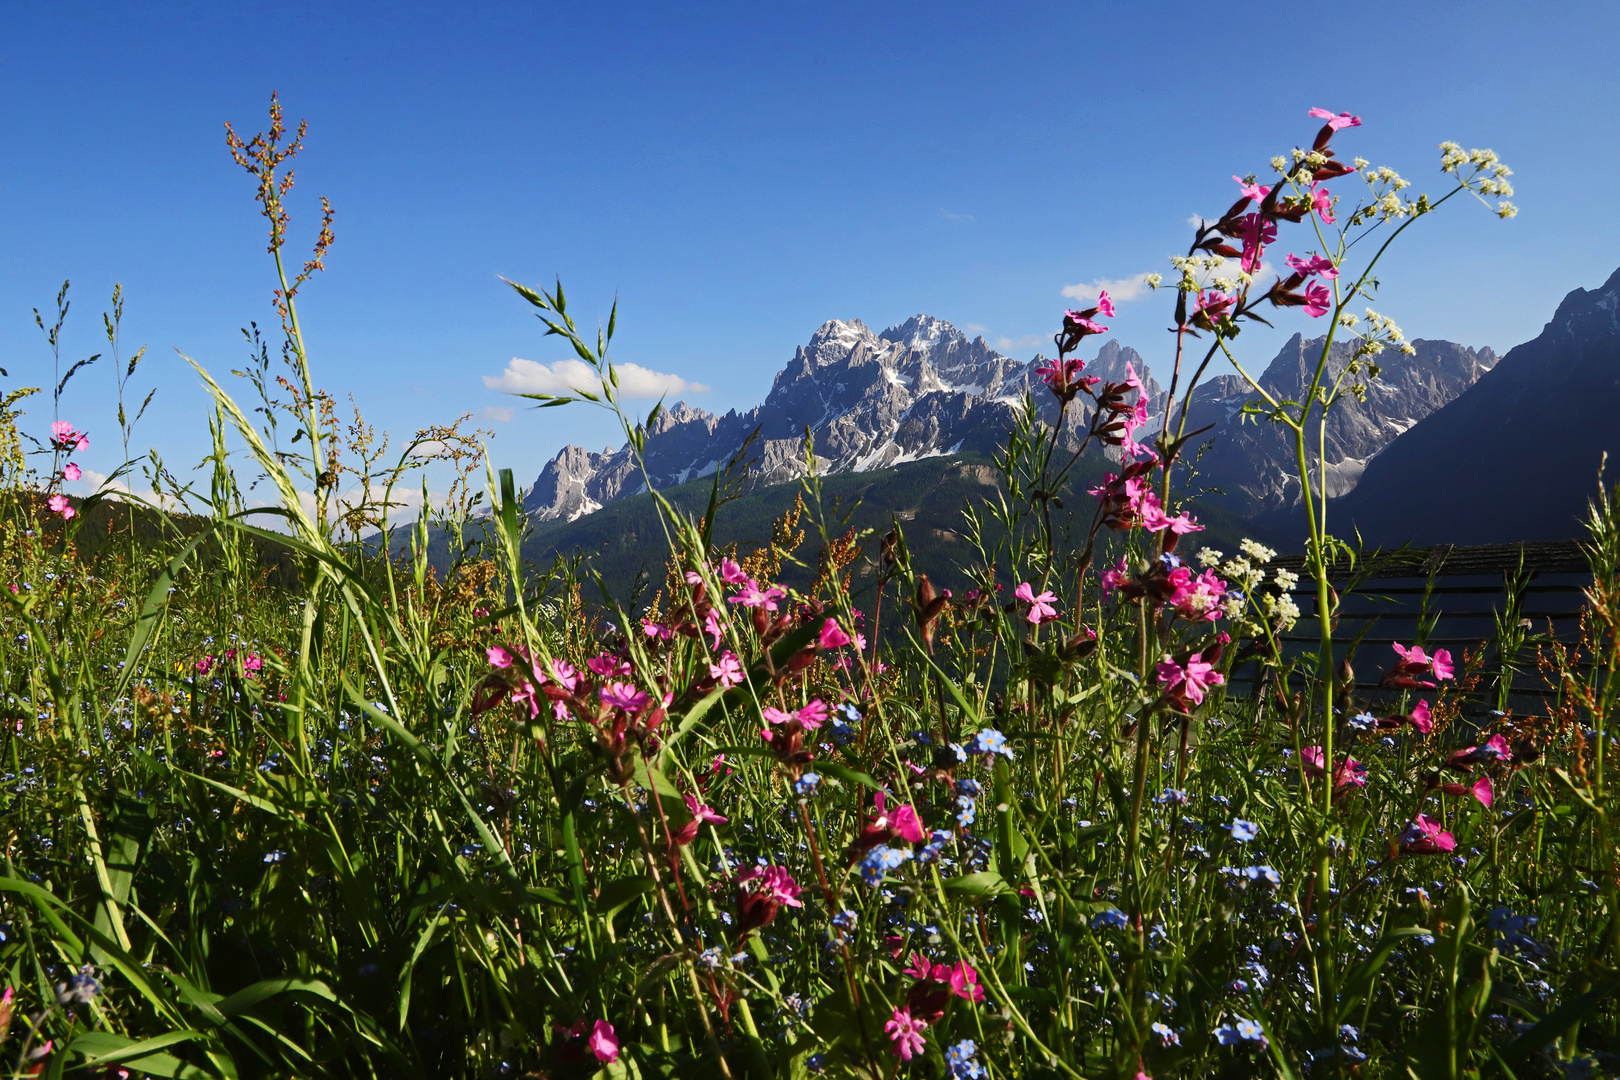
[
  {"x": 1028, "y": 341},
  {"x": 1130, "y": 288},
  {"x": 974, "y": 328},
  {"x": 951, "y": 215},
  {"x": 531, "y": 377},
  {"x": 498, "y": 413}
]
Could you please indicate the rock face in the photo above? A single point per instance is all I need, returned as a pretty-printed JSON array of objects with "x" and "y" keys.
[
  {"x": 1252, "y": 460},
  {"x": 917, "y": 390},
  {"x": 1516, "y": 456}
]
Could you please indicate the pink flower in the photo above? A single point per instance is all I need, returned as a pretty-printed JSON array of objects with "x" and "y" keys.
[
  {"x": 1420, "y": 717},
  {"x": 965, "y": 982},
  {"x": 905, "y": 1031},
  {"x": 603, "y": 1042},
  {"x": 1200, "y": 597},
  {"x": 703, "y": 813},
  {"x": 655, "y": 630},
  {"x": 607, "y": 665},
  {"x": 60, "y": 505},
  {"x": 1212, "y": 306},
  {"x": 527, "y": 695},
  {"x": 61, "y": 430},
  {"x": 1114, "y": 577},
  {"x": 1424, "y": 836},
  {"x": 731, "y": 573},
  {"x": 1189, "y": 683},
  {"x": 1480, "y": 789},
  {"x": 773, "y": 715},
  {"x": 1251, "y": 191},
  {"x": 623, "y": 696},
  {"x": 205, "y": 665},
  {"x": 1316, "y": 264},
  {"x": 1337, "y": 123},
  {"x": 763, "y": 891},
  {"x": 499, "y": 656},
  {"x": 905, "y": 824},
  {"x": 919, "y": 968},
  {"x": 1041, "y": 607},
  {"x": 812, "y": 715},
  {"x": 832, "y": 635},
  {"x": 1105, "y": 304},
  {"x": 1493, "y": 749},
  {"x": 752, "y": 596},
  {"x": 1441, "y": 665},
  {"x": 1257, "y": 233},
  {"x": 1322, "y": 202},
  {"x": 72, "y": 471},
  {"x": 252, "y": 662},
  {"x": 728, "y": 672},
  {"x": 566, "y": 676},
  {"x": 1154, "y": 519},
  {"x": 1079, "y": 321},
  {"x": 1060, "y": 375},
  {"x": 1350, "y": 772},
  {"x": 1318, "y": 301}
]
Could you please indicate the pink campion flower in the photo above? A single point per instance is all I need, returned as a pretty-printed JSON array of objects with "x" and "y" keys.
[
  {"x": 728, "y": 672},
  {"x": 567, "y": 676},
  {"x": 712, "y": 628},
  {"x": 1493, "y": 749},
  {"x": 252, "y": 662},
  {"x": 60, "y": 505},
  {"x": 1337, "y": 123},
  {"x": 499, "y": 656},
  {"x": 1257, "y": 233},
  {"x": 1424, "y": 836},
  {"x": 773, "y": 715},
  {"x": 1041, "y": 608},
  {"x": 906, "y": 1032},
  {"x": 1318, "y": 301},
  {"x": 1251, "y": 191},
  {"x": 1154, "y": 519},
  {"x": 1316, "y": 264},
  {"x": 61, "y": 430},
  {"x": 1105, "y": 304},
  {"x": 72, "y": 471},
  {"x": 919, "y": 968},
  {"x": 608, "y": 666},
  {"x": 205, "y": 665},
  {"x": 965, "y": 982},
  {"x": 832, "y": 636},
  {"x": 693, "y": 578},
  {"x": 1189, "y": 683},
  {"x": 731, "y": 573},
  {"x": 528, "y": 695},
  {"x": 812, "y": 715},
  {"x": 1441, "y": 664},
  {"x": 751, "y": 595},
  {"x": 655, "y": 630},
  {"x": 1322, "y": 203},
  {"x": 1212, "y": 306},
  {"x": 905, "y": 824},
  {"x": 1420, "y": 717},
  {"x": 703, "y": 813},
  {"x": 604, "y": 1043},
  {"x": 1132, "y": 380},
  {"x": 624, "y": 696},
  {"x": 1349, "y": 773},
  {"x": 762, "y": 891},
  {"x": 1115, "y": 576},
  {"x": 1480, "y": 789},
  {"x": 1078, "y": 320},
  {"x": 1200, "y": 598}
]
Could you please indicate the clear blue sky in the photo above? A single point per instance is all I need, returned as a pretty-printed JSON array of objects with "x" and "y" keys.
[{"x": 738, "y": 174}]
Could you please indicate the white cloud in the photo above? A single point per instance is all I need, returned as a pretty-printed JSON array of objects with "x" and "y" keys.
[
  {"x": 1196, "y": 221},
  {"x": 1028, "y": 341},
  {"x": 499, "y": 413},
  {"x": 974, "y": 328},
  {"x": 951, "y": 216},
  {"x": 1130, "y": 288},
  {"x": 531, "y": 377}
]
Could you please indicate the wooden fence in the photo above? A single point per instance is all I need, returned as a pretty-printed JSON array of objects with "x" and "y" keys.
[{"x": 1509, "y": 597}]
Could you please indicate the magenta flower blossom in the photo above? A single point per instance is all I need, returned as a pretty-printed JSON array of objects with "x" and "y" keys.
[
  {"x": 1183, "y": 684},
  {"x": 1251, "y": 191},
  {"x": 566, "y": 676},
  {"x": 1198, "y": 598},
  {"x": 832, "y": 636},
  {"x": 655, "y": 630},
  {"x": 72, "y": 471},
  {"x": 1316, "y": 264},
  {"x": 1420, "y": 717},
  {"x": 1480, "y": 789},
  {"x": 906, "y": 1032},
  {"x": 1105, "y": 304},
  {"x": 1318, "y": 301},
  {"x": 728, "y": 672},
  {"x": 1212, "y": 306},
  {"x": 703, "y": 813},
  {"x": 1060, "y": 375},
  {"x": 1322, "y": 203},
  {"x": 1349, "y": 773},
  {"x": 1079, "y": 321},
  {"x": 1337, "y": 123},
  {"x": 1257, "y": 233},
  {"x": 499, "y": 656},
  {"x": 59, "y": 505},
  {"x": 812, "y": 715},
  {"x": 624, "y": 696},
  {"x": 205, "y": 665},
  {"x": 731, "y": 573},
  {"x": 604, "y": 1043},
  {"x": 762, "y": 891},
  {"x": 1424, "y": 836},
  {"x": 1493, "y": 749},
  {"x": 609, "y": 666},
  {"x": 66, "y": 438},
  {"x": 712, "y": 628},
  {"x": 1154, "y": 519},
  {"x": 1115, "y": 576},
  {"x": 1041, "y": 608},
  {"x": 965, "y": 982},
  {"x": 1441, "y": 664},
  {"x": 752, "y": 596}
]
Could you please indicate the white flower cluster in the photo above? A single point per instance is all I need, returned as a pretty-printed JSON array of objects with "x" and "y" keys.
[
  {"x": 1282, "y": 610},
  {"x": 1208, "y": 557},
  {"x": 1486, "y": 177}
]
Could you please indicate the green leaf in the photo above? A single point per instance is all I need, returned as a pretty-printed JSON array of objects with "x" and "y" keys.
[
  {"x": 616, "y": 894},
  {"x": 1361, "y": 978},
  {"x": 986, "y": 883}
]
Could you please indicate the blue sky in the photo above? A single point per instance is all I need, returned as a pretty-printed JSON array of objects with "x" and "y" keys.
[{"x": 738, "y": 174}]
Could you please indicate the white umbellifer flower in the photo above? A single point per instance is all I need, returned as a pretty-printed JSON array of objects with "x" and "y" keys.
[
  {"x": 1282, "y": 610},
  {"x": 1257, "y": 551},
  {"x": 1208, "y": 557},
  {"x": 1286, "y": 579}
]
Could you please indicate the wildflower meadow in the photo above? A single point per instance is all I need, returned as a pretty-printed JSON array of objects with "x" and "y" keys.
[{"x": 285, "y": 799}]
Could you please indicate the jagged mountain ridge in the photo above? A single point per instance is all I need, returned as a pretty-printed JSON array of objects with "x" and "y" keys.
[
  {"x": 1252, "y": 460},
  {"x": 872, "y": 401},
  {"x": 1516, "y": 456}
]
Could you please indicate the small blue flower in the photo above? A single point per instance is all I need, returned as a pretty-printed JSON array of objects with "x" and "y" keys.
[
  {"x": 936, "y": 844},
  {"x": 1112, "y": 919},
  {"x": 1171, "y": 796},
  {"x": 881, "y": 860},
  {"x": 1241, "y": 1030},
  {"x": 989, "y": 741},
  {"x": 1167, "y": 1034},
  {"x": 1243, "y": 831},
  {"x": 967, "y": 810},
  {"x": 842, "y": 732},
  {"x": 806, "y": 785},
  {"x": 1364, "y": 721},
  {"x": 963, "y": 1063},
  {"x": 971, "y": 788}
]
